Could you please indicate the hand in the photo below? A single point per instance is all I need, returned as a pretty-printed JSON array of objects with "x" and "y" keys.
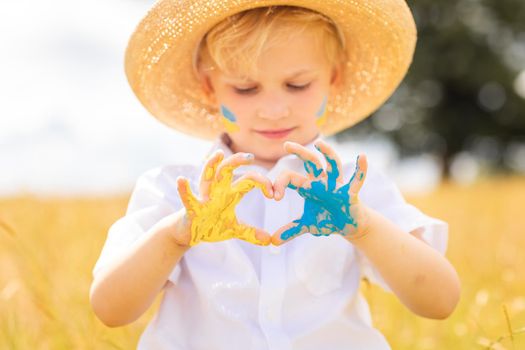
[
  {"x": 330, "y": 206},
  {"x": 212, "y": 219}
]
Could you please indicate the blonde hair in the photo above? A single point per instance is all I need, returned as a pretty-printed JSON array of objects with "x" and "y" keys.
[{"x": 235, "y": 44}]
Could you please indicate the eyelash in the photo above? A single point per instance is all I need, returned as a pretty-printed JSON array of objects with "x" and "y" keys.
[{"x": 253, "y": 90}]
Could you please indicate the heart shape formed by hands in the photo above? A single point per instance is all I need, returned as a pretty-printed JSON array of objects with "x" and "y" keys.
[{"x": 330, "y": 206}]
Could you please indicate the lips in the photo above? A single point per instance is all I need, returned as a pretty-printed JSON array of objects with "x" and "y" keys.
[{"x": 275, "y": 133}]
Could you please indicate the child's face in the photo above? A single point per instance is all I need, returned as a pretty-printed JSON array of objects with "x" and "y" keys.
[{"x": 281, "y": 103}]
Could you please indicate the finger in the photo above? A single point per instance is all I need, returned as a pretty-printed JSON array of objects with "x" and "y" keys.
[
  {"x": 285, "y": 179},
  {"x": 288, "y": 232},
  {"x": 263, "y": 237},
  {"x": 357, "y": 180},
  {"x": 312, "y": 165},
  {"x": 248, "y": 181},
  {"x": 228, "y": 165},
  {"x": 208, "y": 173},
  {"x": 333, "y": 167},
  {"x": 252, "y": 234},
  {"x": 186, "y": 195}
]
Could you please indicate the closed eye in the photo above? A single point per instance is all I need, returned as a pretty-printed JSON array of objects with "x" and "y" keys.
[
  {"x": 252, "y": 90},
  {"x": 298, "y": 87},
  {"x": 246, "y": 91}
]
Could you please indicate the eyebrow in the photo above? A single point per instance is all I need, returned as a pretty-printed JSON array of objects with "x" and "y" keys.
[
  {"x": 301, "y": 72},
  {"x": 291, "y": 76}
]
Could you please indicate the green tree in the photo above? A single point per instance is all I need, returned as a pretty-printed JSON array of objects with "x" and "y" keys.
[{"x": 459, "y": 92}]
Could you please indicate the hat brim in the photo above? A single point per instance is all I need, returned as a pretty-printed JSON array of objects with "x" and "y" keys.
[{"x": 380, "y": 39}]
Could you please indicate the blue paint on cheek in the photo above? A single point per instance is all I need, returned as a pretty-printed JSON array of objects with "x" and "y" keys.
[
  {"x": 228, "y": 114},
  {"x": 321, "y": 111}
]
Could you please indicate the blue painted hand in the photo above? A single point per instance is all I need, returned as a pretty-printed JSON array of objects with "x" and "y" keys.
[{"x": 330, "y": 206}]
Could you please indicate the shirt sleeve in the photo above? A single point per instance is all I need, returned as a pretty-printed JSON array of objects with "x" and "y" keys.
[
  {"x": 154, "y": 197},
  {"x": 381, "y": 194}
]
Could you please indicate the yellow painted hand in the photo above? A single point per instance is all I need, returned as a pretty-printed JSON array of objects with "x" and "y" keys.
[{"x": 212, "y": 219}]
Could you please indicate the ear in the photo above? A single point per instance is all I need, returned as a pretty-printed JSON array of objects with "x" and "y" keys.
[
  {"x": 207, "y": 87},
  {"x": 336, "y": 80}
]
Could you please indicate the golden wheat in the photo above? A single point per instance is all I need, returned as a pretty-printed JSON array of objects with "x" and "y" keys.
[{"x": 49, "y": 246}]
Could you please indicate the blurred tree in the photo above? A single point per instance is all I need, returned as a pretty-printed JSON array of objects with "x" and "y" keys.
[{"x": 459, "y": 94}]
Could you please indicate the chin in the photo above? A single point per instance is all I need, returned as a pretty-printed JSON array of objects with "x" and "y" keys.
[{"x": 273, "y": 153}]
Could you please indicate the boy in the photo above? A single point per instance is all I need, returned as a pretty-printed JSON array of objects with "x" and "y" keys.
[{"x": 238, "y": 268}]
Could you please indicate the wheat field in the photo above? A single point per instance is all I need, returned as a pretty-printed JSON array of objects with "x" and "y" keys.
[{"x": 48, "y": 247}]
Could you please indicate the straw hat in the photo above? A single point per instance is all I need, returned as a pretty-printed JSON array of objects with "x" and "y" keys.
[{"x": 379, "y": 36}]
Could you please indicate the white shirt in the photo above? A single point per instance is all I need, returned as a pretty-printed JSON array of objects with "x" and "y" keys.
[{"x": 303, "y": 295}]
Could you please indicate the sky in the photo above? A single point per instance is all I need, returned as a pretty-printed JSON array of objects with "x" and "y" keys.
[{"x": 70, "y": 124}]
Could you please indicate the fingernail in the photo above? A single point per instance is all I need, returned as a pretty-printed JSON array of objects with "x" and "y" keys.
[
  {"x": 276, "y": 194},
  {"x": 248, "y": 155}
]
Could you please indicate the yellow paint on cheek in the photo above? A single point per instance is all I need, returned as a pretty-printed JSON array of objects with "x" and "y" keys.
[
  {"x": 322, "y": 113},
  {"x": 229, "y": 119},
  {"x": 322, "y": 120},
  {"x": 215, "y": 220},
  {"x": 230, "y": 127}
]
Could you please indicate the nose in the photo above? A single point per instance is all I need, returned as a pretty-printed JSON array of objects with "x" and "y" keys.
[{"x": 273, "y": 108}]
